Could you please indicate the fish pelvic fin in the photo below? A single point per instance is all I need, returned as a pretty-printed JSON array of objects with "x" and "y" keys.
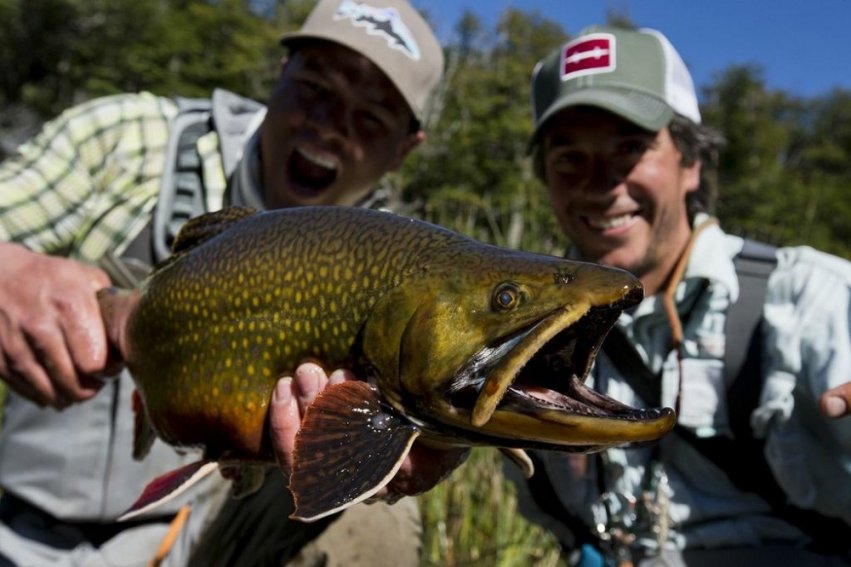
[
  {"x": 168, "y": 486},
  {"x": 143, "y": 432},
  {"x": 245, "y": 479},
  {"x": 521, "y": 459},
  {"x": 348, "y": 448}
]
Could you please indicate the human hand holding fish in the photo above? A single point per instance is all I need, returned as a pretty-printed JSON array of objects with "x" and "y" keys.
[
  {"x": 422, "y": 469},
  {"x": 455, "y": 343},
  {"x": 836, "y": 402},
  {"x": 290, "y": 398},
  {"x": 52, "y": 343}
]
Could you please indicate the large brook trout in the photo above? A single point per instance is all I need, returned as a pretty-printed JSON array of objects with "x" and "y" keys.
[{"x": 456, "y": 343}]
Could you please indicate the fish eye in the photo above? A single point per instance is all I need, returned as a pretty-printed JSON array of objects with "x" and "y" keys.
[{"x": 506, "y": 296}]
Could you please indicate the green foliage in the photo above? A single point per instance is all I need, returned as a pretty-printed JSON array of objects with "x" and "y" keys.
[
  {"x": 472, "y": 173},
  {"x": 57, "y": 52},
  {"x": 473, "y": 520},
  {"x": 785, "y": 172}
]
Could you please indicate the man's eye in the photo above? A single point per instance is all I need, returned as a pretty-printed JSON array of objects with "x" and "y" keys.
[
  {"x": 372, "y": 120},
  {"x": 312, "y": 87},
  {"x": 567, "y": 160},
  {"x": 633, "y": 148},
  {"x": 572, "y": 158}
]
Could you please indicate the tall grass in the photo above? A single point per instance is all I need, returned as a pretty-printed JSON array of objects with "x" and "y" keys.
[{"x": 472, "y": 519}]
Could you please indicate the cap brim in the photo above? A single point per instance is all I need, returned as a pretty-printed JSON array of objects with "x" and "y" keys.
[
  {"x": 648, "y": 112},
  {"x": 294, "y": 38},
  {"x": 291, "y": 38}
]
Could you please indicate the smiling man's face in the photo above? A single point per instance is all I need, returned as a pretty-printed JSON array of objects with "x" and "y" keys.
[
  {"x": 334, "y": 127},
  {"x": 619, "y": 191}
]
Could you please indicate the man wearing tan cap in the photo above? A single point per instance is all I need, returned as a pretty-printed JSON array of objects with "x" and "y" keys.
[
  {"x": 741, "y": 338},
  {"x": 108, "y": 184}
]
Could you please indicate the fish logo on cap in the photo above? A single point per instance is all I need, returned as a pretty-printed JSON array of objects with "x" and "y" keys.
[
  {"x": 591, "y": 54},
  {"x": 380, "y": 21}
]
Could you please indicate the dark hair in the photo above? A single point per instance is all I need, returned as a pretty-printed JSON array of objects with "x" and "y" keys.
[
  {"x": 698, "y": 142},
  {"x": 695, "y": 142}
]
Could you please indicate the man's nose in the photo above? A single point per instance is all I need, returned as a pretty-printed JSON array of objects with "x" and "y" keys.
[
  {"x": 331, "y": 116},
  {"x": 604, "y": 176}
]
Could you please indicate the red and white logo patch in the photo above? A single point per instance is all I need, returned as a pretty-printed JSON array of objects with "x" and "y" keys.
[{"x": 591, "y": 54}]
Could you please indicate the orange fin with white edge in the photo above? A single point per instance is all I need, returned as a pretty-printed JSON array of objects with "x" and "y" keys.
[
  {"x": 168, "y": 486},
  {"x": 348, "y": 448}
]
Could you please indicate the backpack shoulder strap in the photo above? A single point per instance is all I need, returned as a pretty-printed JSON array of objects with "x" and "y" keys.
[
  {"x": 742, "y": 457},
  {"x": 743, "y": 352},
  {"x": 180, "y": 196},
  {"x": 754, "y": 265},
  {"x": 181, "y": 189},
  {"x": 235, "y": 118}
]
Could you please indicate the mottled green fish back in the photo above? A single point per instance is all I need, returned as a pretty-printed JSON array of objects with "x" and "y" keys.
[{"x": 219, "y": 324}]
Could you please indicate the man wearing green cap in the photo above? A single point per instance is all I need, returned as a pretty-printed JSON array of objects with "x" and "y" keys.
[
  {"x": 100, "y": 192},
  {"x": 752, "y": 474}
]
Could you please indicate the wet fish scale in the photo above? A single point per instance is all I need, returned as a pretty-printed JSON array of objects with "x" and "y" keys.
[{"x": 289, "y": 298}]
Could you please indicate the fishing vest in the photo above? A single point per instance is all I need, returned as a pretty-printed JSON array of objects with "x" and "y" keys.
[{"x": 742, "y": 456}]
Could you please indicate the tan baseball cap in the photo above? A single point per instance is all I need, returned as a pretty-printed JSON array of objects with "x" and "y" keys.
[
  {"x": 636, "y": 74},
  {"x": 391, "y": 33}
]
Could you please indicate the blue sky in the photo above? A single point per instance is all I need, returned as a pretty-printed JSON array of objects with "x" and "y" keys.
[{"x": 804, "y": 46}]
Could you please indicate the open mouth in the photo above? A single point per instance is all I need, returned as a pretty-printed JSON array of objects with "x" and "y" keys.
[
  {"x": 542, "y": 396},
  {"x": 310, "y": 171},
  {"x": 554, "y": 378}
]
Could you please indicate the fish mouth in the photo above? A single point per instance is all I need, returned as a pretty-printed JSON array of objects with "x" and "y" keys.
[{"x": 529, "y": 389}]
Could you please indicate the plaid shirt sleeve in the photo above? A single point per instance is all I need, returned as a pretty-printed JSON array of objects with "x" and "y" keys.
[{"x": 88, "y": 182}]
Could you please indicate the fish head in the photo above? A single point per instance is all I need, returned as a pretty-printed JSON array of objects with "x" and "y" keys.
[{"x": 497, "y": 345}]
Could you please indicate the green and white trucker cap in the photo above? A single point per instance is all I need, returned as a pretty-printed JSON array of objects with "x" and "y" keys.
[
  {"x": 636, "y": 74},
  {"x": 390, "y": 33}
]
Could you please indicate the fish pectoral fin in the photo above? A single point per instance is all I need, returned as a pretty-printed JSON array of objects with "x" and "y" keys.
[
  {"x": 348, "y": 448},
  {"x": 168, "y": 486},
  {"x": 521, "y": 459},
  {"x": 143, "y": 433},
  {"x": 245, "y": 479}
]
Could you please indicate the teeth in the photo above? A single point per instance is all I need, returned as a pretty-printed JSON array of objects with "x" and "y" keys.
[
  {"x": 317, "y": 159},
  {"x": 610, "y": 222}
]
